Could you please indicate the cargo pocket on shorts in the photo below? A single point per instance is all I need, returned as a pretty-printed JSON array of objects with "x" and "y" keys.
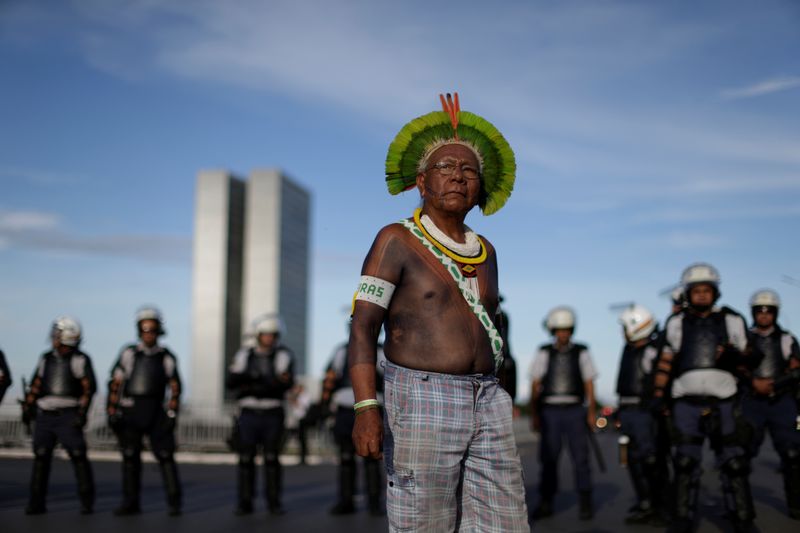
[{"x": 401, "y": 500}]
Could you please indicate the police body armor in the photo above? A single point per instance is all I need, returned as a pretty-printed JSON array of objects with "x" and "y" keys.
[
  {"x": 261, "y": 371},
  {"x": 633, "y": 381},
  {"x": 769, "y": 350},
  {"x": 148, "y": 377},
  {"x": 58, "y": 379},
  {"x": 564, "y": 372},
  {"x": 702, "y": 338}
]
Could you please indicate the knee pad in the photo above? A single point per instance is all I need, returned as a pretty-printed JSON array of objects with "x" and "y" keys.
[
  {"x": 76, "y": 454},
  {"x": 736, "y": 467},
  {"x": 685, "y": 464}
]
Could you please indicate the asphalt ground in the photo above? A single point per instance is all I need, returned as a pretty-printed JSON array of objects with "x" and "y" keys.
[{"x": 309, "y": 492}]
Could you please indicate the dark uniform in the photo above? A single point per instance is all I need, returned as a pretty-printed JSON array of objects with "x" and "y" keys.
[
  {"x": 337, "y": 392},
  {"x": 507, "y": 373},
  {"x": 634, "y": 387},
  {"x": 5, "y": 376},
  {"x": 774, "y": 352},
  {"x": 136, "y": 408},
  {"x": 700, "y": 357},
  {"x": 60, "y": 393},
  {"x": 563, "y": 373},
  {"x": 260, "y": 380}
]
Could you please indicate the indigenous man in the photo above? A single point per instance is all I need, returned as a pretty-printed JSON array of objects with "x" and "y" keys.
[
  {"x": 637, "y": 423},
  {"x": 337, "y": 395},
  {"x": 451, "y": 460},
  {"x": 261, "y": 375},
  {"x": 60, "y": 393},
  {"x": 768, "y": 405},
  {"x": 563, "y": 406},
  {"x": 5, "y": 376},
  {"x": 139, "y": 379},
  {"x": 704, "y": 344}
]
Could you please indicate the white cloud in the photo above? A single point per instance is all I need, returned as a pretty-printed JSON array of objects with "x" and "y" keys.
[
  {"x": 14, "y": 221},
  {"x": 762, "y": 88},
  {"x": 690, "y": 240}
]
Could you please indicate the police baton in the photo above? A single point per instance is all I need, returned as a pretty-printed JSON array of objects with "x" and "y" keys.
[{"x": 601, "y": 463}]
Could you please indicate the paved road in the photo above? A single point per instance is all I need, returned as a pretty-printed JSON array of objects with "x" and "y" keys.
[{"x": 309, "y": 492}]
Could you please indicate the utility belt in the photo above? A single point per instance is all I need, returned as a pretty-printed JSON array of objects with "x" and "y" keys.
[
  {"x": 704, "y": 401},
  {"x": 262, "y": 412},
  {"x": 57, "y": 412}
]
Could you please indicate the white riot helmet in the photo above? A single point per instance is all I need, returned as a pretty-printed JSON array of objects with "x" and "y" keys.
[
  {"x": 638, "y": 322},
  {"x": 269, "y": 323},
  {"x": 765, "y": 298},
  {"x": 66, "y": 330},
  {"x": 149, "y": 312},
  {"x": 699, "y": 273},
  {"x": 561, "y": 317}
]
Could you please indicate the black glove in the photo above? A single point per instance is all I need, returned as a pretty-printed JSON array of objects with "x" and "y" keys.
[
  {"x": 170, "y": 420},
  {"x": 28, "y": 413},
  {"x": 80, "y": 419},
  {"x": 115, "y": 421}
]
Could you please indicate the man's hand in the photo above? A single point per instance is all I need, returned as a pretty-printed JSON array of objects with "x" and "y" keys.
[
  {"x": 368, "y": 434},
  {"x": 591, "y": 419},
  {"x": 763, "y": 386},
  {"x": 80, "y": 419},
  {"x": 170, "y": 420}
]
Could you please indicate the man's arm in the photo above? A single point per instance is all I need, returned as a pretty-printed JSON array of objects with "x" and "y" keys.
[
  {"x": 362, "y": 355},
  {"x": 385, "y": 262},
  {"x": 536, "y": 390},
  {"x": 591, "y": 411}
]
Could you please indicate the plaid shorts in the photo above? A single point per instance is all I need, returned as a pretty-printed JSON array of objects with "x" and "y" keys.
[{"x": 451, "y": 458}]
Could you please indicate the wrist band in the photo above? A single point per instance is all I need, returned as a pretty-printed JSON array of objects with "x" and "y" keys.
[
  {"x": 367, "y": 408},
  {"x": 366, "y": 403}
]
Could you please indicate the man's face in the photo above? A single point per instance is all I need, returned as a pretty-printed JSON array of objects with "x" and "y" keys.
[
  {"x": 764, "y": 317},
  {"x": 702, "y": 295},
  {"x": 451, "y": 182},
  {"x": 266, "y": 340},
  {"x": 562, "y": 336},
  {"x": 148, "y": 332}
]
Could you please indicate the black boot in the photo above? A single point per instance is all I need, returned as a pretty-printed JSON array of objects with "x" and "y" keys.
[
  {"x": 791, "y": 482},
  {"x": 131, "y": 481},
  {"x": 585, "y": 511},
  {"x": 347, "y": 486},
  {"x": 247, "y": 483},
  {"x": 85, "y": 479},
  {"x": 273, "y": 483},
  {"x": 372, "y": 470},
  {"x": 39, "y": 478},
  {"x": 172, "y": 485},
  {"x": 737, "y": 486},
  {"x": 642, "y": 512}
]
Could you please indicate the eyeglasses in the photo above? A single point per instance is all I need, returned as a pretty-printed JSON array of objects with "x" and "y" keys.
[{"x": 446, "y": 168}]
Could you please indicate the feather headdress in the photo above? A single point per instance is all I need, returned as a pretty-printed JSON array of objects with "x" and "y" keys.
[{"x": 409, "y": 152}]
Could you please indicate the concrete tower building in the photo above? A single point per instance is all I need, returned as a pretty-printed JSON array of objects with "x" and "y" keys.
[{"x": 251, "y": 244}]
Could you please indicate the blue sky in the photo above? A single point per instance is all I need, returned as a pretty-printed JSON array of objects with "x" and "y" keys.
[{"x": 648, "y": 135}]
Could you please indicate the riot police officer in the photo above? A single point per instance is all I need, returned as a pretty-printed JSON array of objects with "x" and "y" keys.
[
  {"x": 776, "y": 356},
  {"x": 637, "y": 424},
  {"x": 337, "y": 395},
  {"x": 563, "y": 406},
  {"x": 60, "y": 393},
  {"x": 704, "y": 345},
  {"x": 260, "y": 375},
  {"x": 506, "y": 374},
  {"x": 136, "y": 391},
  {"x": 5, "y": 376}
]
